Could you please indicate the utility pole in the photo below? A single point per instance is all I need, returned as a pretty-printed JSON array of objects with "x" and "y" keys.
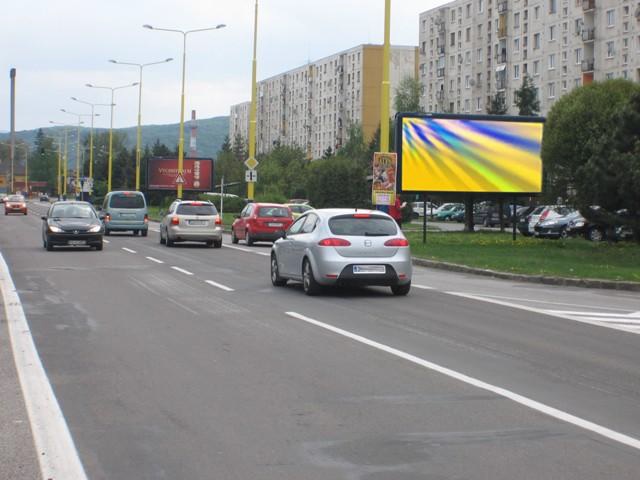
[{"x": 12, "y": 148}]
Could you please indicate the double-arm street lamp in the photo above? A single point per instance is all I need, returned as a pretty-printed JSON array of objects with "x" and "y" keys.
[
  {"x": 79, "y": 116},
  {"x": 62, "y": 172},
  {"x": 92, "y": 105},
  {"x": 184, "y": 61},
  {"x": 113, "y": 89},
  {"x": 139, "y": 132}
]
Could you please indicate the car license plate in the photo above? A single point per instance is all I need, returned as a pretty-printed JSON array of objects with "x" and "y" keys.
[
  {"x": 128, "y": 215},
  {"x": 369, "y": 269},
  {"x": 274, "y": 224},
  {"x": 77, "y": 242},
  {"x": 197, "y": 222}
]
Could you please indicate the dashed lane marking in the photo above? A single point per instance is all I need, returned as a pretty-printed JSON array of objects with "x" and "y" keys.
[
  {"x": 154, "y": 259},
  {"x": 128, "y": 250},
  {"x": 247, "y": 250},
  {"x": 219, "y": 285},
  {"x": 182, "y": 270}
]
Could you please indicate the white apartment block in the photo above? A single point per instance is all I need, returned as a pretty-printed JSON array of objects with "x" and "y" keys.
[
  {"x": 239, "y": 121},
  {"x": 313, "y": 106},
  {"x": 472, "y": 50}
]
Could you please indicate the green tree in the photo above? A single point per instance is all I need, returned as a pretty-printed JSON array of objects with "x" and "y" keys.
[
  {"x": 407, "y": 95},
  {"x": 43, "y": 161},
  {"x": 337, "y": 182},
  {"x": 527, "y": 98},
  {"x": 498, "y": 105},
  {"x": 576, "y": 132},
  {"x": 239, "y": 148}
]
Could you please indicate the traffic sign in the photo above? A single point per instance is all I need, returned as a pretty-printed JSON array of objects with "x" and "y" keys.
[
  {"x": 179, "y": 178},
  {"x": 251, "y": 163},
  {"x": 250, "y": 176}
]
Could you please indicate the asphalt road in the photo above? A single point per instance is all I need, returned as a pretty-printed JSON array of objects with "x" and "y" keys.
[{"x": 182, "y": 363}]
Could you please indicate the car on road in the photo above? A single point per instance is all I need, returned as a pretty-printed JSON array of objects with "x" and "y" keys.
[
  {"x": 44, "y": 197},
  {"x": 191, "y": 221},
  {"x": 72, "y": 224},
  {"x": 261, "y": 222},
  {"x": 298, "y": 209},
  {"x": 15, "y": 204},
  {"x": 336, "y": 247},
  {"x": 124, "y": 211}
]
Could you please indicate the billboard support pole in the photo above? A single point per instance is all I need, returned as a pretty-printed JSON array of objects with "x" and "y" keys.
[
  {"x": 424, "y": 217},
  {"x": 514, "y": 219}
]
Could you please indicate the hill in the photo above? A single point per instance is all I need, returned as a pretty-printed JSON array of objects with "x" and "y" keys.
[{"x": 211, "y": 134}]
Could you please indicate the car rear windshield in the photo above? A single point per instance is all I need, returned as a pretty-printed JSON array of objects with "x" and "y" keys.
[
  {"x": 127, "y": 200},
  {"x": 371, "y": 226},
  {"x": 72, "y": 211},
  {"x": 273, "y": 212},
  {"x": 194, "y": 209},
  {"x": 16, "y": 198}
]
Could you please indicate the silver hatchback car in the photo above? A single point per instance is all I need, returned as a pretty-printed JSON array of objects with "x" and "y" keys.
[
  {"x": 343, "y": 247},
  {"x": 191, "y": 221}
]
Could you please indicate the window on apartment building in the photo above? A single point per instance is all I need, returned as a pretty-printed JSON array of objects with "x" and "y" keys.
[
  {"x": 578, "y": 26},
  {"x": 480, "y": 6},
  {"x": 536, "y": 67},
  {"x": 468, "y": 10},
  {"x": 423, "y": 48},
  {"x": 577, "y": 82},
  {"x": 453, "y": 15},
  {"x": 516, "y": 72},
  {"x": 553, "y": 6},
  {"x": 478, "y": 79},
  {"x": 565, "y": 40},
  {"x": 552, "y": 61},
  {"x": 536, "y": 41},
  {"x": 625, "y": 43},
  {"x": 625, "y": 58},
  {"x": 478, "y": 104},
  {"x": 525, "y": 69},
  {"x": 536, "y": 12},
  {"x": 565, "y": 27},
  {"x": 625, "y": 27},
  {"x": 467, "y": 57},
  {"x": 578, "y": 55},
  {"x": 609, "y": 76},
  {"x": 479, "y": 55},
  {"x": 453, "y": 39},
  {"x": 564, "y": 55},
  {"x": 610, "y": 49},
  {"x": 424, "y": 25},
  {"x": 467, "y": 81},
  {"x": 358, "y": 77},
  {"x": 611, "y": 18},
  {"x": 625, "y": 10},
  {"x": 525, "y": 41},
  {"x": 516, "y": 20},
  {"x": 467, "y": 34},
  {"x": 552, "y": 90},
  {"x": 525, "y": 15},
  {"x": 452, "y": 62},
  {"x": 564, "y": 85},
  {"x": 552, "y": 33},
  {"x": 516, "y": 44},
  {"x": 479, "y": 29},
  {"x": 467, "y": 105}
]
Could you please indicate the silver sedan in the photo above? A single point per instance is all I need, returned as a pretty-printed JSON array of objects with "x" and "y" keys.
[
  {"x": 343, "y": 247},
  {"x": 191, "y": 221}
]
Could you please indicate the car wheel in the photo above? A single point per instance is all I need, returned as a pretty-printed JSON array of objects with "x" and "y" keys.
[
  {"x": 595, "y": 234},
  {"x": 144, "y": 232},
  {"x": 563, "y": 234},
  {"x": 107, "y": 232},
  {"x": 162, "y": 240},
  {"x": 209, "y": 243},
  {"x": 217, "y": 244},
  {"x": 25, "y": 212},
  {"x": 234, "y": 239},
  {"x": 169, "y": 242},
  {"x": 48, "y": 246},
  {"x": 249, "y": 238},
  {"x": 311, "y": 287},
  {"x": 99, "y": 247},
  {"x": 276, "y": 279},
  {"x": 401, "y": 290},
  {"x": 136, "y": 232}
]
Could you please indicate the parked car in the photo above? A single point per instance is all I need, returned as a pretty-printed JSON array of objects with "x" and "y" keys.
[
  {"x": 597, "y": 231},
  {"x": 343, "y": 247},
  {"x": 72, "y": 224},
  {"x": 15, "y": 204},
  {"x": 458, "y": 215},
  {"x": 124, "y": 211},
  {"x": 446, "y": 214},
  {"x": 560, "y": 227},
  {"x": 191, "y": 221},
  {"x": 550, "y": 212},
  {"x": 488, "y": 214},
  {"x": 299, "y": 201},
  {"x": 261, "y": 222},
  {"x": 443, "y": 207},
  {"x": 418, "y": 208},
  {"x": 298, "y": 209}
]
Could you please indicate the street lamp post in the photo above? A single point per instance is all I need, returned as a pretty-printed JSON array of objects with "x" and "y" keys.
[
  {"x": 139, "y": 131},
  {"x": 62, "y": 158},
  {"x": 113, "y": 89},
  {"x": 92, "y": 105},
  {"x": 184, "y": 61},
  {"x": 79, "y": 115}
]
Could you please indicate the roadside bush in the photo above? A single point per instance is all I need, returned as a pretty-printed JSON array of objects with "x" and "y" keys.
[{"x": 231, "y": 204}]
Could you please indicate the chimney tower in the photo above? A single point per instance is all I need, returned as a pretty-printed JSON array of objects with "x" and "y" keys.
[{"x": 193, "y": 150}]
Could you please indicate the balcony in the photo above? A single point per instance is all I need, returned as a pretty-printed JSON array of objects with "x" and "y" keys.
[
  {"x": 440, "y": 50},
  {"x": 588, "y": 34},
  {"x": 440, "y": 95},
  {"x": 440, "y": 72},
  {"x": 587, "y": 65},
  {"x": 502, "y": 7},
  {"x": 588, "y": 5},
  {"x": 501, "y": 57}
]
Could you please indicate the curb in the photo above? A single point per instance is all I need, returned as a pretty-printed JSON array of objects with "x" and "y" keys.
[{"x": 519, "y": 277}]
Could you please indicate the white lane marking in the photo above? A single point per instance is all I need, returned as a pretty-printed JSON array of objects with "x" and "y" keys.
[
  {"x": 543, "y": 312},
  {"x": 128, "y": 250},
  {"x": 184, "y": 307},
  {"x": 56, "y": 450},
  {"x": 219, "y": 285},
  {"x": 503, "y": 392},
  {"x": 547, "y": 302},
  {"x": 598, "y": 314},
  {"x": 264, "y": 254},
  {"x": 181, "y": 270},
  {"x": 106, "y": 241},
  {"x": 154, "y": 229},
  {"x": 422, "y": 287},
  {"x": 237, "y": 248},
  {"x": 154, "y": 259}
]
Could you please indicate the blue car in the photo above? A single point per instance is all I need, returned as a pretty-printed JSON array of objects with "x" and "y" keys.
[{"x": 125, "y": 212}]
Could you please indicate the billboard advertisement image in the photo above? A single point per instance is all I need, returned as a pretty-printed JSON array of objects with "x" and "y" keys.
[
  {"x": 162, "y": 174},
  {"x": 479, "y": 154},
  {"x": 383, "y": 185}
]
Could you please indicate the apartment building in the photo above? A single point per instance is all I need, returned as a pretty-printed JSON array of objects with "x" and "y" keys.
[
  {"x": 313, "y": 106},
  {"x": 473, "y": 50},
  {"x": 239, "y": 120}
]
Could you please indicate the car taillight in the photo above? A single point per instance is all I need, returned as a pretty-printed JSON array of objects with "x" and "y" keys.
[
  {"x": 218, "y": 220},
  {"x": 146, "y": 218},
  {"x": 397, "y": 242},
  {"x": 361, "y": 215},
  {"x": 175, "y": 221},
  {"x": 334, "y": 242}
]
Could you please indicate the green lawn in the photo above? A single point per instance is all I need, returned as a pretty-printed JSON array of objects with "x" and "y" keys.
[{"x": 574, "y": 257}]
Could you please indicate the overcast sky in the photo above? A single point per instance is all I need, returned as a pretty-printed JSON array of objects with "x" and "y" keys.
[{"x": 57, "y": 46}]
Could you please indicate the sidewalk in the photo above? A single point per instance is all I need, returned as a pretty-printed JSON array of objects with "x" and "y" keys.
[{"x": 18, "y": 459}]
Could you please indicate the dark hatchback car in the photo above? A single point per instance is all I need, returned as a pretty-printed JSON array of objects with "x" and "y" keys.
[
  {"x": 561, "y": 227},
  {"x": 72, "y": 224}
]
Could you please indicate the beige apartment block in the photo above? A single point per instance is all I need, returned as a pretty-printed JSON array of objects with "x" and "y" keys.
[
  {"x": 471, "y": 51},
  {"x": 239, "y": 121},
  {"x": 313, "y": 106}
]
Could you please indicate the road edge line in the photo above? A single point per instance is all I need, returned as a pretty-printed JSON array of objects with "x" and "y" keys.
[
  {"x": 503, "y": 392},
  {"x": 56, "y": 450}
]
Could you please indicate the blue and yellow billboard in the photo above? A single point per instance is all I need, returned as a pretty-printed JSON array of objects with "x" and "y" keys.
[{"x": 480, "y": 154}]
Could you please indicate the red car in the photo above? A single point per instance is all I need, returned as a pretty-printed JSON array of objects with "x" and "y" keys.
[
  {"x": 15, "y": 204},
  {"x": 261, "y": 222}
]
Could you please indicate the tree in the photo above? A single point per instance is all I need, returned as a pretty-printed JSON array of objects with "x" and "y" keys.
[
  {"x": 239, "y": 148},
  {"x": 498, "y": 105},
  {"x": 407, "y": 95},
  {"x": 527, "y": 98},
  {"x": 576, "y": 132},
  {"x": 328, "y": 152},
  {"x": 337, "y": 182}
]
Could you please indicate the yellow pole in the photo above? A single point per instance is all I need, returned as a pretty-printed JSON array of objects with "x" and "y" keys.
[
  {"x": 26, "y": 170},
  {"x": 254, "y": 90},
  {"x": 181, "y": 138},
  {"x": 91, "y": 146},
  {"x": 66, "y": 160},
  {"x": 139, "y": 133},
  {"x": 78, "y": 159},
  {"x": 110, "y": 168},
  {"x": 384, "y": 110}
]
